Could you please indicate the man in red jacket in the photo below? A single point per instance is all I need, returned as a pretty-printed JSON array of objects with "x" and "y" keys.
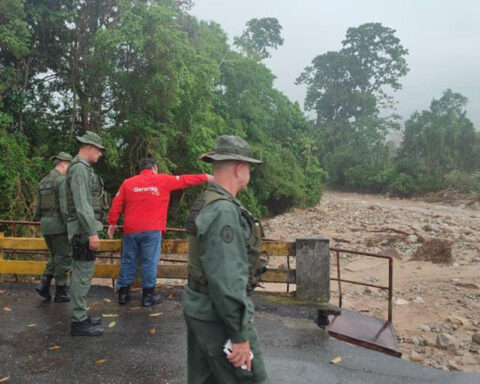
[{"x": 145, "y": 199}]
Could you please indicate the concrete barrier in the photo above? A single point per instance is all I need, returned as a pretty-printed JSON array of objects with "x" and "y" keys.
[{"x": 313, "y": 269}]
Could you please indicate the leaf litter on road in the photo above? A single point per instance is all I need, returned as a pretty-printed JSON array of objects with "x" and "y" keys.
[
  {"x": 109, "y": 315},
  {"x": 100, "y": 361},
  {"x": 54, "y": 348}
]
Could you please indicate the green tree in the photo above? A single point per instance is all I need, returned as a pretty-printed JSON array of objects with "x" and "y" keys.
[
  {"x": 380, "y": 57},
  {"x": 280, "y": 133},
  {"x": 441, "y": 139},
  {"x": 18, "y": 168},
  {"x": 348, "y": 91},
  {"x": 348, "y": 84},
  {"x": 15, "y": 58},
  {"x": 152, "y": 80},
  {"x": 260, "y": 36}
]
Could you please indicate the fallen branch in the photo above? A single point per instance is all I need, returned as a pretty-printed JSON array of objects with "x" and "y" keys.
[{"x": 387, "y": 230}]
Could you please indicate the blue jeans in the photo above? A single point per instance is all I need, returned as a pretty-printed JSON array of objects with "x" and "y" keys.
[{"x": 147, "y": 245}]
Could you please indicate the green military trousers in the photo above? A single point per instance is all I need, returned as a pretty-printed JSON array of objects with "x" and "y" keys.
[
  {"x": 208, "y": 364},
  {"x": 60, "y": 261},
  {"x": 80, "y": 281}
]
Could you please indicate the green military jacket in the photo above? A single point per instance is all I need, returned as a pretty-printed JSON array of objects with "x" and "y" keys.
[
  {"x": 80, "y": 177},
  {"x": 54, "y": 225},
  {"x": 223, "y": 234}
]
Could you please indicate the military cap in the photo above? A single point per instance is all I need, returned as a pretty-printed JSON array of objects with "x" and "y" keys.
[
  {"x": 63, "y": 156},
  {"x": 91, "y": 138},
  {"x": 230, "y": 148}
]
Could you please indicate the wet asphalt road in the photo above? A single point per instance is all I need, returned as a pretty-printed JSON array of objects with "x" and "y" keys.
[{"x": 295, "y": 349}]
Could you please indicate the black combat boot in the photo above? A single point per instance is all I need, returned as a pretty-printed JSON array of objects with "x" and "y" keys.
[
  {"x": 149, "y": 298},
  {"x": 43, "y": 288},
  {"x": 94, "y": 320},
  {"x": 85, "y": 328},
  {"x": 61, "y": 294},
  {"x": 124, "y": 295}
]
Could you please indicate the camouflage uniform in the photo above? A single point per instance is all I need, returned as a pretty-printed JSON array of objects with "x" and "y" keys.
[
  {"x": 224, "y": 240},
  {"x": 85, "y": 205},
  {"x": 51, "y": 211}
]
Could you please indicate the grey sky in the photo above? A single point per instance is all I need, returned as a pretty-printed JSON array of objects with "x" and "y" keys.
[{"x": 442, "y": 36}]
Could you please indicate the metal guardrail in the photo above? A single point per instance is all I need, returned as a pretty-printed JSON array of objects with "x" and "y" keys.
[{"x": 337, "y": 252}]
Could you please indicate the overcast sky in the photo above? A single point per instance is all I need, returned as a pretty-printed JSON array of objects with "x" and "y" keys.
[{"x": 442, "y": 36}]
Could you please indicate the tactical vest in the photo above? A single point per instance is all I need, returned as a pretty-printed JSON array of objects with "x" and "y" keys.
[
  {"x": 48, "y": 195},
  {"x": 99, "y": 196},
  {"x": 257, "y": 264}
]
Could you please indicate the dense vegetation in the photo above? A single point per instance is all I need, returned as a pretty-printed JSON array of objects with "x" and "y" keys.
[
  {"x": 350, "y": 92},
  {"x": 153, "y": 80}
]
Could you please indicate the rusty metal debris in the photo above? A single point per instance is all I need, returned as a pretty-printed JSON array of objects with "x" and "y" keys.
[
  {"x": 365, "y": 331},
  {"x": 360, "y": 329}
]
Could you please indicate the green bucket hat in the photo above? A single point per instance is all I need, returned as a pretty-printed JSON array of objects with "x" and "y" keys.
[
  {"x": 63, "y": 156},
  {"x": 230, "y": 148},
  {"x": 91, "y": 138}
]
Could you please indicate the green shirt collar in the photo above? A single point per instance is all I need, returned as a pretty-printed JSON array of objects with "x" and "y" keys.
[
  {"x": 82, "y": 160},
  {"x": 217, "y": 188}
]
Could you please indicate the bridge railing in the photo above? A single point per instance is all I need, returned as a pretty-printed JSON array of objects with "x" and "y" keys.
[
  {"x": 110, "y": 250},
  {"x": 314, "y": 270}
]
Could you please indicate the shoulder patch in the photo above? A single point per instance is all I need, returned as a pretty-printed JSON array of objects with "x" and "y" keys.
[
  {"x": 227, "y": 234},
  {"x": 78, "y": 179}
]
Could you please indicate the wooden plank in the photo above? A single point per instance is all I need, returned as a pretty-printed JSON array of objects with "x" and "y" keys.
[
  {"x": 2, "y": 235},
  {"x": 163, "y": 272},
  {"x": 21, "y": 267},
  {"x": 169, "y": 246},
  {"x": 110, "y": 245},
  {"x": 23, "y": 243},
  {"x": 174, "y": 246},
  {"x": 279, "y": 276},
  {"x": 278, "y": 248}
]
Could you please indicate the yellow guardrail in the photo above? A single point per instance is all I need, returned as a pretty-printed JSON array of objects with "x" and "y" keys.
[
  {"x": 104, "y": 270},
  {"x": 169, "y": 246}
]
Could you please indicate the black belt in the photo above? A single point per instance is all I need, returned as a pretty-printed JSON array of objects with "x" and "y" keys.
[{"x": 197, "y": 287}]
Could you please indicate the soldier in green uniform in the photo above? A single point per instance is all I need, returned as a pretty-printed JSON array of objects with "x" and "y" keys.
[
  {"x": 51, "y": 211},
  {"x": 223, "y": 269},
  {"x": 86, "y": 206}
]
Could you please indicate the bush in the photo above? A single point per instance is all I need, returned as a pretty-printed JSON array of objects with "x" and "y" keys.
[
  {"x": 369, "y": 179},
  {"x": 281, "y": 183},
  {"x": 336, "y": 164},
  {"x": 427, "y": 183},
  {"x": 402, "y": 185},
  {"x": 462, "y": 181},
  {"x": 19, "y": 176}
]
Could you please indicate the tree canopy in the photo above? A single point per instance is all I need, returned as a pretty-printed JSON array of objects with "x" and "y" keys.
[
  {"x": 347, "y": 90},
  {"x": 439, "y": 141},
  {"x": 260, "y": 36},
  {"x": 350, "y": 91},
  {"x": 152, "y": 80}
]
